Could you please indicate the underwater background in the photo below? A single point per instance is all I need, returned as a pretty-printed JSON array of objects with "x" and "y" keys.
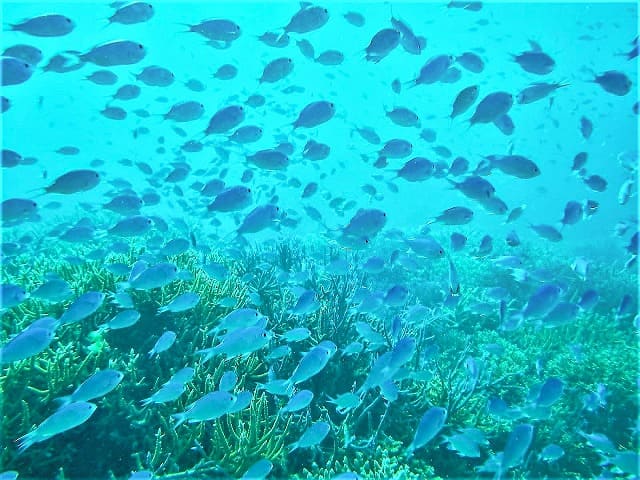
[{"x": 344, "y": 240}]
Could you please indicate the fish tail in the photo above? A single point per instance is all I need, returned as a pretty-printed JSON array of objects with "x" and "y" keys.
[
  {"x": 180, "y": 419},
  {"x": 409, "y": 452},
  {"x": 26, "y": 441},
  {"x": 62, "y": 401},
  {"x": 208, "y": 354}
]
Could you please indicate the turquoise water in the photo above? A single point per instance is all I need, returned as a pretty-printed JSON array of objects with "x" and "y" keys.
[{"x": 427, "y": 338}]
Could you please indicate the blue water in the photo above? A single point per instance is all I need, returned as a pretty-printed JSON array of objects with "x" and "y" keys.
[{"x": 466, "y": 349}]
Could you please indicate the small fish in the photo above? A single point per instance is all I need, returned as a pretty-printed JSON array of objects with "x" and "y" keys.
[
  {"x": 307, "y": 19},
  {"x": 118, "y": 52},
  {"x": 433, "y": 70},
  {"x": 65, "y": 418},
  {"x": 211, "y": 406},
  {"x": 123, "y": 319},
  {"x": 312, "y": 363},
  {"x": 596, "y": 183},
  {"x": 314, "y": 114},
  {"x": 547, "y": 231},
  {"x": 276, "y": 70},
  {"x": 299, "y": 401},
  {"x": 51, "y": 25},
  {"x": 312, "y": 436},
  {"x": 164, "y": 343},
  {"x": 518, "y": 442},
  {"x": 464, "y": 100},
  {"x": 74, "y": 181},
  {"x": 217, "y": 30},
  {"x": 225, "y": 119},
  {"x": 136, "y": 12},
  {"x": 382, "y": 44},
  {"x": 181, "y": 303},
  {"x": 454, "y": 216},
  {"x": 27, "y": 53},
  {"x": 471, "y": 62},
  {"x": 354, "y": 18},
  {"x": 430, "y": 425},
  {"x": 491, "y": 107},
  {"x": 97, "y": 385},
  {"x": 82, "y": 307},
  {"x": 258, "y": 471},
  {"x": 238, "y": 342},
  {"x": 231, "y": 199},
  {"x": 535, "y": 60},
  {"x": 551, "y": 453},
  {"x": 614, "y": 82}
]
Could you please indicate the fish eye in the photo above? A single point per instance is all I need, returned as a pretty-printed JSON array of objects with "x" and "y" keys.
[
  {"x": 248, "y": 190},
  {"x": 325, "y": 10},
  {"x": 175, "y": 269},
  {"x": 289, "y": 60},
  {"x": 264, "y": 335},
  {"x": 140, "y": 46},
  {"x": 68, "y": 20},
  {"x": 148, "y": 221}
]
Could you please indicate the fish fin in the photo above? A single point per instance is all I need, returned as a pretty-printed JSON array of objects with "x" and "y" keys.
[
  {"x": 62, "y": 401},
  {"x": 138, "y": 267},
  {"x": 26, "y": 441},
  {"x": 180, "y": 419},
  {"x": 535, "y": 46}
]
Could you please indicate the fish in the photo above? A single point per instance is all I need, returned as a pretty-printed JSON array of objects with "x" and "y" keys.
[
  {"x": 97, "y": 385},
  {"x": 382, "y": 44},
  {"x": 164, "y": 343},
  {"x": 429, "y": 426},
  {"x": 312, "y": 436},
  {"x": 136, "y": 12},
  {"x": 433, "y": 70},
  {"x": 82, "y": 307},
  {"x": 181, "y": 303},
  {"x": 614, "y": 82},
  {"x": 239, "y": 342},
  {"x": 50, "y": 25},
  {"x": 538, "y": 91},
  {"x": 535, "y": 60},
  {"x": 307, "y": 19},
  {"x": 312, "y": 363},
  {"x": 454, "y": 216},
  {"x": 211, "y": 406},
  {"x": 491, "y": 107},
  {"x": 463, "y": 101},
  {"x": 276, "y": 70},
  {"x": 299, "y": 401},
  {"x": 314, "y": 114},
  {"x": 74, "y": 181},
  {"x": 15, "y": 71},
  {"x": 65, "y": 418}
]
